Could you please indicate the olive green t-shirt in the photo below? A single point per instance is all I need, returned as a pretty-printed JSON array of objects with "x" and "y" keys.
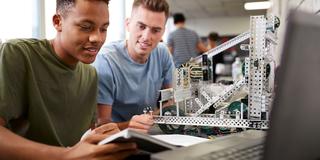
[{"x": 57, "y": 101}]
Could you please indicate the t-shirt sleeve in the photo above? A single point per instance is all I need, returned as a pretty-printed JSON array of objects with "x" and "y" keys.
[
  {"x": 12, "y": 81},
  {"x": 168, "y": 67},
  {"x": 106, "y": 85}
]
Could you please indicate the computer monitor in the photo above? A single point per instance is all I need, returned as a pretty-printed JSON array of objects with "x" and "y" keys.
[{"x": 294, "y": 131}]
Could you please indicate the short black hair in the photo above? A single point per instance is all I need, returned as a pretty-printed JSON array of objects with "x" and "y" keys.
[
  {"x": 63, "y": 6},
  {"x": 178, "y": 18},
  {"x": 213, "y": 36}
]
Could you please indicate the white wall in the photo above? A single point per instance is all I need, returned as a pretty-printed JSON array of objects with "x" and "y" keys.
[
  {"x": 223, "y": 26},
  {"x": 38, "y": 14},
  {"x": 16, "y": 19},
  {"x": 281, "y": 9},
  {"x": 117, "y": 14}
]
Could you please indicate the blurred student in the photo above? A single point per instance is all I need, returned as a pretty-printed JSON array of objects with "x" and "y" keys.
[{"x": 184, "y": 43}]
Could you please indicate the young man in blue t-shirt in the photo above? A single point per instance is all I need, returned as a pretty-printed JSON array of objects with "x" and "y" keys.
[{"x": 131, "y": 72}]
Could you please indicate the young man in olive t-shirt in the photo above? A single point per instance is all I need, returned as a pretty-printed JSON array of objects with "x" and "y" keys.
[{"x": 48, "y": 90}]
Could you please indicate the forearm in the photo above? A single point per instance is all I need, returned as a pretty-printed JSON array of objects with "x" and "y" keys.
[
  {"x": 104, "y": 114},
  {"x": 137, "y": 122},
  {"x": 13, "y": 146},
  {"x": 123, "y": 125},
  {"x": 201, "y": 47}
]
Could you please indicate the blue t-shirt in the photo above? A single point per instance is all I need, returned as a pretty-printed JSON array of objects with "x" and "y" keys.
[{"x": 129, "y": 86}]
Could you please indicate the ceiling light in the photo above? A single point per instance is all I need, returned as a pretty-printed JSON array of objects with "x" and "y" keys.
[{"x": 257, "y": 5}]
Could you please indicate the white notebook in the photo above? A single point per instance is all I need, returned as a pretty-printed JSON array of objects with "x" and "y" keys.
[
  {"x": 180, "y": 140},
  {"x": 144, "y": 142}
]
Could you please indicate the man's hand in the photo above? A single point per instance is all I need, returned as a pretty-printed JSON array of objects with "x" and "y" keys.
[
  {"x": 87, "y": 148},
  {"x": 141, "y": 123}
]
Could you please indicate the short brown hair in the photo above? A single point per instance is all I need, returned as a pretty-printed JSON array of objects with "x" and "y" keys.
[
  {"x": 213, "y": 36},
  {"x": 153, "y": 5},
  {"x": 64, "y": 5}
]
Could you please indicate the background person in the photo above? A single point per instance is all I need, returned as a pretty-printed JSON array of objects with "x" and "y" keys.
[{"x": 184, "y": 43}]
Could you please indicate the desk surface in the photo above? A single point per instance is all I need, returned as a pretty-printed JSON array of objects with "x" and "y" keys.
[{"x": 225, "y": 142}]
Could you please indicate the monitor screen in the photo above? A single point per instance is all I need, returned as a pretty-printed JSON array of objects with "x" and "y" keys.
[{"x": 295, "y": 117}]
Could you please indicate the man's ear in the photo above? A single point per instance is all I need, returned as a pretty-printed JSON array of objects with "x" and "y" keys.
[
  {"x": 57, "y": 22},
  {"x": 127, "y": 23}
]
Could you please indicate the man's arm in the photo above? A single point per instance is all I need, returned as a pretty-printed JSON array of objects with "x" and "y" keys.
[
  {"x": 13, "y": 146},
  {"x": 104, "y": 116},
  {"x": 141, "y": 123},
  {"x": 201, "y": 47},
  {"x": 2, "y": 122}
]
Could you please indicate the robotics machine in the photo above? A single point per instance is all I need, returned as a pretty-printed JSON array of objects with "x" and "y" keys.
[{"x": 244, "y": 104}]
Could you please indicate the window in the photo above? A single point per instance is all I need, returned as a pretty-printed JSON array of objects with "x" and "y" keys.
[
  {"x": 16, "y": 19},
  {"x": 50, "y": 10}
]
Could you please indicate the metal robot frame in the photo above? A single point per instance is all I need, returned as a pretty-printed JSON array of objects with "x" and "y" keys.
[{"x": 257, "y": 83}]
